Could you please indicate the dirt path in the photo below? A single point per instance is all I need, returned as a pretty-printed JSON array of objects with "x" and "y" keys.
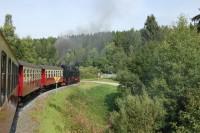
[{"x": 102, "y": 82}]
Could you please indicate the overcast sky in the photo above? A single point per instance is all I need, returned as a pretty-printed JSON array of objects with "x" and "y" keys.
[{"x": 42, "y": 18}]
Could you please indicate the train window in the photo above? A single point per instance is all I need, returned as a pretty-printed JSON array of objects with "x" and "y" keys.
[
  {"x": 30, "y": 74},
  {"x": 16, "y": 74},
  {"x": 46, "y": 73},
  {"x": 3, "y": 77},
  {"x": 13, "y": 76},
  {"x": 49, "y": 73},
  {"x": 27, "y": 75},
  {"x": 36, "y": 74},
  {"x": 9, "y": 77},
  {"x": 12, "y": 82},
  {"x": 36, "y": 77},
  {"x": 24, "y": 74},
  {"x": 33, "y": 75},
  {"x": 39, "y": 74}
]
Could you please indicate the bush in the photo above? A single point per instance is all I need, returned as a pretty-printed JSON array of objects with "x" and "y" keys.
[
  {"x": 89, "y": 72},
  {"x": 138, "y": 114},
  {"x": 189, "y": 114}
]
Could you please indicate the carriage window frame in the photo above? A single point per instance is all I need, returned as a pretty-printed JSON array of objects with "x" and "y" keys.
[
  {"x": 15, "y": 77},
  {"x": 36, "y": 74},
  {"x": 3, "y": 87},
  {"x": 30, "y": 72},
  {"x": 46, "y": 73},
  {"x": 33, "y": 74},
  {"x": 9, "y": 77}
]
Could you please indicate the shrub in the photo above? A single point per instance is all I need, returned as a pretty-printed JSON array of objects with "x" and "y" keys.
[
  {"x": 138, "y": 114},
  {"x": 89, "y": 72},
  {"x": 189, "y": 114}
]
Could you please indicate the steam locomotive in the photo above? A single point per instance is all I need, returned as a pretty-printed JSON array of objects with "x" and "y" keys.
[{"x": 19, "y": 79}]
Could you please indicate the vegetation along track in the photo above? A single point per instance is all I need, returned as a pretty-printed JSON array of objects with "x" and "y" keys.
[
  {"x": 27, "y": 102},
  {"x": 83, "y": 107}
]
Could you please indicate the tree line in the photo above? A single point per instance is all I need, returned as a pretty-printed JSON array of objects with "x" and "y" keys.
[
  {"x": 37, "y": 51},
  {"x": 159, "y": 78},
  {"x": 158, "y": 68}
]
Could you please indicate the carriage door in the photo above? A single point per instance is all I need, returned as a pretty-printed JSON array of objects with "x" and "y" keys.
[{"x": 3, "y": 78}]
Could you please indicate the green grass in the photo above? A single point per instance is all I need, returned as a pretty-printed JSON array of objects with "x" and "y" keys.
[{"x": 83, "y": 108}]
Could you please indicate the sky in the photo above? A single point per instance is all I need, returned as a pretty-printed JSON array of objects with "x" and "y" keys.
[{"x": 43, "y": 18}]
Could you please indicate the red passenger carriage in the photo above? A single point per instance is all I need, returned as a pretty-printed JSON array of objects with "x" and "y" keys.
[
  {"x": 29, "y": 78},
  {"x": 48, "y": 75}
]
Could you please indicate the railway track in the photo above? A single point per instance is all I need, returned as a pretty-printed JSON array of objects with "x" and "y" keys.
[{"x": 27, "y": 100}]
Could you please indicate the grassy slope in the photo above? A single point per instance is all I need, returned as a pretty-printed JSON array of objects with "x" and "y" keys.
[{"x": 83, "y": 108}]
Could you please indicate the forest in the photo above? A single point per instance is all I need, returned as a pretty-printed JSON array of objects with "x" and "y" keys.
[{"x": 158, "y": 68}]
